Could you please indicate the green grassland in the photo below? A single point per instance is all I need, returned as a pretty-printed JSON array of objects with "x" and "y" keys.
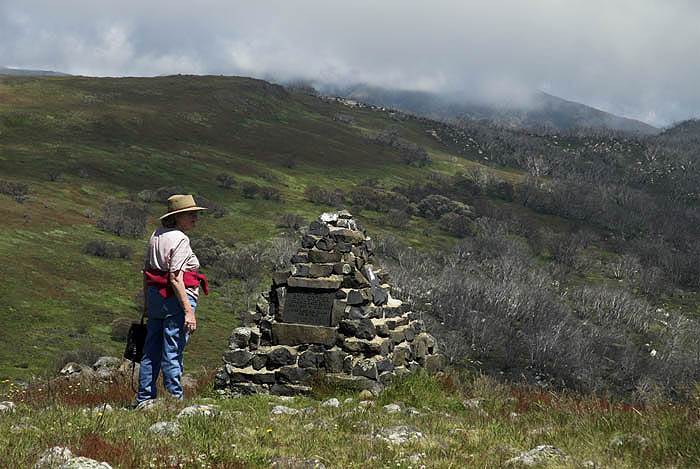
[{"x": 114, "y": 137}]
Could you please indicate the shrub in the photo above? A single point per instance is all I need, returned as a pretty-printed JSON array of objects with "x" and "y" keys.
[
  {"x": 434, "y": 206},
  {"x": 291, "y": 221},
  {"x": 319, "y": 195},
  {"x": 119, "y": 329},
  {"x": 208, "y": 249},
  {"x": 225, "y": 181},
  {"x": 86, "y": 354},
  {"x": 456, "y": 224},
  {"x": 162, "y": 193},
  {"x": 213, "y": 208},
  {"x": 19, "y": 191},
  {"x": 270, "y": 193},
  {"x": 101, "y": 248},
  {"x": 397, "y": 218},
  {"x": 250, "y": 190},
  {"x": 123, "y": 218}
]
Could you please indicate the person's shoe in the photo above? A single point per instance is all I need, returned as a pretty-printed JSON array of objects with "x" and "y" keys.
[{"x": 147, "y": 404}]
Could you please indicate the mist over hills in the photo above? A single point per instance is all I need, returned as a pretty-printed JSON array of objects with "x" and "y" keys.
[
  {"x": 19, "y": 71},
  {"x": 539, "y": 110}
]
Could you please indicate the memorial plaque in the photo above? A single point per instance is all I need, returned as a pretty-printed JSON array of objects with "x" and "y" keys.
[{"x": 308, "y": 306}]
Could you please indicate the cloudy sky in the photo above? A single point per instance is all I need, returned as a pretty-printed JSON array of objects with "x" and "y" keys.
[{"x": 636, "y": 58}]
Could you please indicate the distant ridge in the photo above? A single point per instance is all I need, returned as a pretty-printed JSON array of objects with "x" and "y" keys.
[
  {"x": 543, "y": 109},
  {"x": 19, "y": 71}
]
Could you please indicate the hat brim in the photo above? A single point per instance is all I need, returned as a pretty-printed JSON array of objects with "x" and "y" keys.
[{"x": 188, "y": 209}]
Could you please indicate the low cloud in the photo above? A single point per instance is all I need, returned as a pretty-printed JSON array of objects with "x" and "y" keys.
[{"x": 634, "y": 58}]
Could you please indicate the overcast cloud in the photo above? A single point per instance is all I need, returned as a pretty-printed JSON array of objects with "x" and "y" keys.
[{"x": 636, "y": 58}]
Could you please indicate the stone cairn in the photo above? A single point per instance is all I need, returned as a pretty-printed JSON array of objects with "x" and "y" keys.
[{"x": 332, "y": 316}]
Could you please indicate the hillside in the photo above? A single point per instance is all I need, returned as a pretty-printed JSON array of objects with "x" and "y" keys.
[
  {"x": 541, "y": 110},
  {"x": 570, "y": 259}
]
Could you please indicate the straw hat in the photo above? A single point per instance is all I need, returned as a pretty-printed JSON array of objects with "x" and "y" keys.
[{"x": 181, "y": 203}]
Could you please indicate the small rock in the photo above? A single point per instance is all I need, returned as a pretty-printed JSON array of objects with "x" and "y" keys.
[
  {"x": 367, "y": 403},
  {"x": 538, "y": 455},
  {"x": 24, "y": 427},
  {"x": 588, "y": 465},
  {"x": 473, "y": 403},
  {"x": 365, "y": 394},
  {"x": 165, "y": 429},
  {"x": 398, "y": 435},
  {"x": 297, "y": 463},
  {"x": 107, "y": 362},
  {"x": 333, "y": 402},
  {"x": 280, "y": 409},
  {"x": 104, "y": 409},
  {"x": 52, "y": 457},
  {"x": 197, "y": 410},
  {"x": 82, "y": 462},
  {"x": 628, "y": 440},
  {"x": 412, "y": 411},
  {"x": 347, "y": 400},
  {"x": 7, "y": 407},
  {"x": 392, "y": 408},
  {"x": 548, "y": 430}
]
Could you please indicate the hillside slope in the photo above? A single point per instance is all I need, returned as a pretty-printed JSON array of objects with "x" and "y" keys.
[{"x": 570, "y": 258}]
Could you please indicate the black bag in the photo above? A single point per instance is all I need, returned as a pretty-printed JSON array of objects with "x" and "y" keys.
[{"x": 135, "y": 340}]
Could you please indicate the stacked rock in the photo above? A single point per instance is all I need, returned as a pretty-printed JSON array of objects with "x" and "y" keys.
[{"x": 331, "y": 315}]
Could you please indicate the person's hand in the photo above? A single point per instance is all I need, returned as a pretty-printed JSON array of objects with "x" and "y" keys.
[{"x": 190, "y": 322}]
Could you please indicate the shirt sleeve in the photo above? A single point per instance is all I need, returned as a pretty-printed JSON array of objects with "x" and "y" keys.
[{"x": 180, "y": 254}]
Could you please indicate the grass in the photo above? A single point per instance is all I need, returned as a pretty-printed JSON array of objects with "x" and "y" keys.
[{"x": 458, "y": 433}]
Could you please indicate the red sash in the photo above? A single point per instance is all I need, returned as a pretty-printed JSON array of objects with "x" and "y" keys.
[{"x": 160, "y": 280}]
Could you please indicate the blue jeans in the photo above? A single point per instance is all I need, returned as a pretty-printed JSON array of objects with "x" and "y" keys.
[{"x": 165, "y": 341}]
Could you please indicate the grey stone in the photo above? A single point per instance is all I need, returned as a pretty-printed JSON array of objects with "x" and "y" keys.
[
  {"x": 164, "y": 429},
  {"x": 392, "y": 408},
  {"x": 287, "y": 389},
  {"x": 355, "y": 312},
  {"x": 395, "y": 322},
  {"x": 240, "y": 337},
  {"x": 297, "y": 463},
  {"x": 308, "y": 241},
  {"x": 107, "y": 362},
  {"x": 221, "y": 379},
  {"x": 279, "y": 278},
  {"x": 53, "y": 457},
  {"x": 332, "y": 282},
  {"x": 544, "y": 454},
  {"x": 320, "y": 270},
  {"x": 299, "y": 258},
  {"x": 628, "y": 440},
  {"x": 259, "y": 360},
  {"x": 332, "y": 402},
  {"x": 355, "y": 280},
  {"x": 284, "y": 410},
  {"x": 375, "y": 346},
  {"x": 397, "y": 336},
  {"x": 347, "y": 236},
  {"x": 366, "y": 367},
  {"x": 358, "y": 383},
  {"x": 296, "y": 334},
  {"x": 324, "y": 257},
  {"x": 251, "y": 375},
  {"x": 386, "y": 364},
  {"x": 255, "y": 338},
  {"x": 344, "y": 215},
  {"x": 318, "y": 228},
  {"x": 81, "y": 462},
  {"x": 309, "y": 359},
  {"x": 329, "y": 217},
  {"x": 387, "y": 377},
  {"x": 358, "y": 297},
  {"x": 248, "y": 389},
  {"x": 342, "y": 268},
  {"x": 343, "y": 247},
  {"x": 434, "y": 363},
  {"x": 333, "y": 360},
  {"x": 240, "y": 358},
  {"x": 281, "y": 356},
  {"x": 7, "y": 407},
  {"x": 381, "y": 329},
  {"x": 300, "y": 270},
  {"x": 198, "y": 411},
  {"x": 341, "y": 294},
  {"x": 402, "y": 355},
  {"x": 325, "y": 244},
  {"x": 262, "y": 305},
  {"x": 399, "y": 434},
  {"x": 293, "y": 374},
  {"x": 379, "y": 295}
]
